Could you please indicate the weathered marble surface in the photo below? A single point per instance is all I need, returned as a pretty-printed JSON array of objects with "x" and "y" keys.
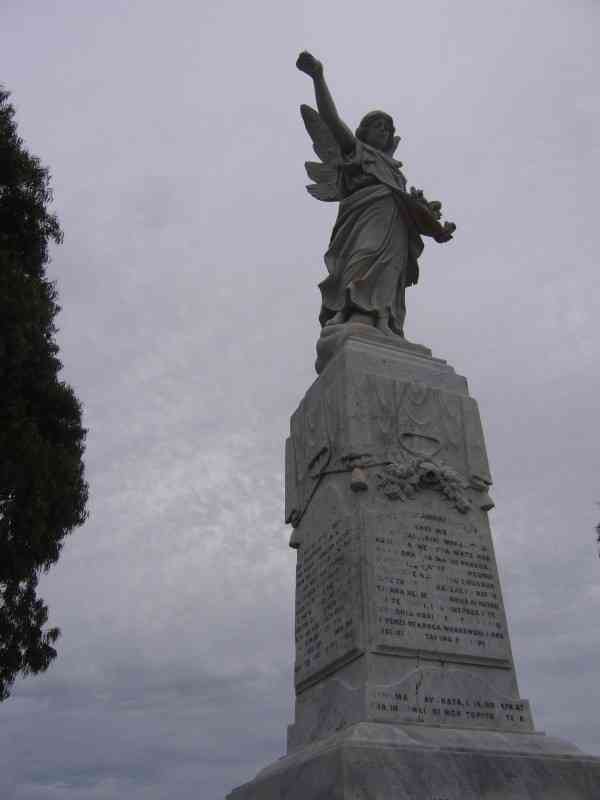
[
  {"x": 377, "y": 401},
  {"x": 371, "y": 761},
  {"x": 399, "y": 611},
  {"x": 332, "y": 338},
  {"x": 404, "y": 677},
  {"x": 376, "y": 241}
]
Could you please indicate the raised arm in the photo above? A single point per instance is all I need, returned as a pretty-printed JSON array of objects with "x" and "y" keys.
[{"x": 341, "y": 132}]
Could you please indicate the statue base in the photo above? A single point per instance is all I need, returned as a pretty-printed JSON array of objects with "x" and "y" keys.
[
  {"x": 377, "y": 761},
  {"x": 334, "y": 336},
  {"x": 404, "y": 677}
]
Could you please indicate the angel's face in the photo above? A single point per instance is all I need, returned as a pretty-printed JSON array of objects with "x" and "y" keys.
[{"x": 378, "y": 133}]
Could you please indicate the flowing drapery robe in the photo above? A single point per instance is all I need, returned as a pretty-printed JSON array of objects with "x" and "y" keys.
[{"x": 374, "y": 245}]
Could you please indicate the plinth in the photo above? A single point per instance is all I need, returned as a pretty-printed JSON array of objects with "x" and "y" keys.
[{"x": 404, "y": 676}]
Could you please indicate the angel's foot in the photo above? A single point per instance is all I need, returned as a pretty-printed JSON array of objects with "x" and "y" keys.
[
  {"x": 362, "y": 318},
  {"x": 389, "y": 326},
  {"x": 383, "y": 325}
]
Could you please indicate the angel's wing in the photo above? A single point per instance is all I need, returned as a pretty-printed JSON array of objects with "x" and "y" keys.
[{"x": 325, "y": 146}]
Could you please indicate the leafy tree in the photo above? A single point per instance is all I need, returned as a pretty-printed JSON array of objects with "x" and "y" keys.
[{"x": 43, "y": 493}]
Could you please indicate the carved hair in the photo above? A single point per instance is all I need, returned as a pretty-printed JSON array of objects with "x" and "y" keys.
[{"x": 369, "y": 119}]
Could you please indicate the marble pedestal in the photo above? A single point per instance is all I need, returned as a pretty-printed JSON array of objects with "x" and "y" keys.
[
  {"x": 377, "y": 761},
  {"x": 404, "y": 677}
]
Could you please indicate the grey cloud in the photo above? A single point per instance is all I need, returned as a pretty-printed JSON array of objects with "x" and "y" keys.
[{"x": 188, "y": 284}]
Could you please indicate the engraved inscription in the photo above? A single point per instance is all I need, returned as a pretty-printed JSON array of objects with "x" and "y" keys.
[
  {"x": 404, "y": 704},
  {"x": 328, "y": 600},
  {"x": 435, "y": 586}
]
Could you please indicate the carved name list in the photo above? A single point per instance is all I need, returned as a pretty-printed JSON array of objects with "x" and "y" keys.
[{"x": 435, "y": 585}]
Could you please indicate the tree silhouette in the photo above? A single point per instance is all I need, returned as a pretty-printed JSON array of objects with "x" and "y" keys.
[{"x": 43, "y": 493}]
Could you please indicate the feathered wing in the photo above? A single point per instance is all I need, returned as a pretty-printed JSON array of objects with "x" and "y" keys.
[{"x": 325, "y": 146}]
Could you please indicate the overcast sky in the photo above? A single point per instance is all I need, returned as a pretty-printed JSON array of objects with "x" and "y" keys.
[{"x": 188, "y": 283}]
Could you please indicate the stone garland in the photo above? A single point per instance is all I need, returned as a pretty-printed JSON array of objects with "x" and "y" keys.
[{"x": 401, "y": 480}]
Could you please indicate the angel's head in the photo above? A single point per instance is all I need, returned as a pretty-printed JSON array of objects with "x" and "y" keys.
[{"x": 377, "y": 129}]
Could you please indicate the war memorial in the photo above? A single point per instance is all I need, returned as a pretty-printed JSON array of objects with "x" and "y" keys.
[{"x": 405, "y": 682}]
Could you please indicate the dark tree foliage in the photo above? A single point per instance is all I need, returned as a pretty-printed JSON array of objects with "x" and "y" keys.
[{"x": 43, "y": 493}]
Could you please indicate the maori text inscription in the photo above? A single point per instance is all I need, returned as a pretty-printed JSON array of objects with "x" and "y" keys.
[
  {"x": 328, "y": 600},
  {"x": 460, "y": 709},
  {"x": 436, "y": 586}
]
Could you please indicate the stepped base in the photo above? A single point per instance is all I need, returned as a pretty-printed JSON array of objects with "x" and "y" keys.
[{"x": 376, "y": 761}]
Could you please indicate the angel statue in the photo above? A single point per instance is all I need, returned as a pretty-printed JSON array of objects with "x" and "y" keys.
[{"x": 376, "y": 240}]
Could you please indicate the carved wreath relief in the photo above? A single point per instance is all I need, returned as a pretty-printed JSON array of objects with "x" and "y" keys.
[{"x": 402, "y": 478}]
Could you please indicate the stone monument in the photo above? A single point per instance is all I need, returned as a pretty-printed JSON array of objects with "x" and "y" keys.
[{"x": 405, "y": 681}]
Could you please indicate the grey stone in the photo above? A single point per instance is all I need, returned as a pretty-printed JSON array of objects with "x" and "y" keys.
[
  {"x": 399, "y": 611},
  {"x": 371, "y": 761},
  {"x": 366, "y": 409},
  {"x": 333, "y": 337},
  {"x": 404, "y": 676},
  {"x": 376, "y": 241}
]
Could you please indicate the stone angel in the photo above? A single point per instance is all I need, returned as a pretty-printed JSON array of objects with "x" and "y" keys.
[{"x": 376, "y": 240}]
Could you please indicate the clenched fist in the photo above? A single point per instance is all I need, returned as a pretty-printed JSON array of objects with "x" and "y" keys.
[{"x": 308, "y": 63}]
